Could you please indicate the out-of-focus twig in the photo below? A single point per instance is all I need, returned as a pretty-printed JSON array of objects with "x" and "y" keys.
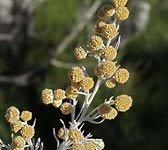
[{"x": 77, "y": 28}]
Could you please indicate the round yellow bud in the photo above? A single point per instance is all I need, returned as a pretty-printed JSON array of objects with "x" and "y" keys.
[
  {"x": 99, "y": 26},
  {"x": 12, "y": 114},
  {"x": 61, "y": 133},
  {"x": 109, "y": 30},
  {"x": 123, "y": 103},
  {"x": 107, "y": 112},
  {"x": 105, "y": 11},
  {"x": 57, "y": 103},
  {"x": 26, "y": 115},
  {"x": 16, "y": 126},
  {"x": 27, "y": 131},
  {"x": 59, "y": 94},
  {"x": 75, "y": 135},
  {"x": 76, "y": 74},
  {"x": 106, "y": 69},
  {"x": 118, "y": 3},
  {"x": 121, "y": 75},
  {"x": 90, "y": 146},
  {"x": 109, "y": 53},
  {"x": 110, "y": 83},
  {"x": 87, "y": 83},
  {"x": 66, "y": 108},
  {"x": 78, "y": 146},
  {"x": 71, "y": 92},
  {"x": 47, "y": 96},
  {"x": 122, "y": 13},
  {"x": 95, "y": 42},
  {"x": 18, "y": 142},
  {"x": 80, "y": 53}
]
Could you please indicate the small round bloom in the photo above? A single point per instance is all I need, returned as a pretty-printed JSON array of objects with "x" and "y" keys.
[
  {"x": 80, "y": 53},
  {"x": 106, "y": 11},
  {"x": 90, "y": 146},
  {"x": 109, "y": 53},
  {"x": 87, "y": 83},
  {"x": 26, "y": 115},
  {"x": 123, "y": 103},
  {"x": 75, "y": 135},
  {"x": 110, "y": 83},
  {"x": 71, "y": 92},
  {"x": 57, "y": 103},
  {"x": 12, "y": 114},
  {"x": 76, "y": 74},
  {"x": 59, "y": 94},
  {"x": 122, "y": 13},
  {"x": 106, "y": 69},
  {"x": 78, "y": 146},
  {"x": 118, "y": 3},
  {"x": 95, "y": 42},
  {"x": 61, "y": 133},
  {"x": 27, "y": 131},
  {"x": 47, "y": 96},
  {"x": 109, "y": 30},
  {"x": 18, "y": 142},
  {"x": 16, "y": 126},
  {"x": 99, "y": 26},
  {"x": 121, "y": 75},
  {"x": 107, "y": 112},
  {"x": 66, "y": 108}
]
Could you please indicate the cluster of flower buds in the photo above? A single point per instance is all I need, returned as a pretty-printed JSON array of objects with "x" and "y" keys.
[
  {"x": 18, "y": 123},
  {"x": 102, "y": 47}
]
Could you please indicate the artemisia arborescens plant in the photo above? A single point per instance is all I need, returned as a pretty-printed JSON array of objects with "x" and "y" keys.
[{"x": 104, "y": 49}]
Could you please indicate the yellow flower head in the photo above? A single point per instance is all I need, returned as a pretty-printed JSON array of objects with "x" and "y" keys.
[
  {"x": 110, "y": 83},
  {"x": 12, "y": 114},
  {"x": 71, "y": 92},
  {"x": 87, "y": 83},
  {"x": 90, "y": 146},
  {"x": 95, "y": 42},
  {"x": 66, "y": 108},
  {"x": 57, "y": 103},
  {"x": 26, "y": 115},
  {"x": 109, "y": 30},
  {"x": 99, "y": 26},
  {"x": 16, "y": 126},
  {"x": 118, "y": 3},
  {"x": 106, "y": 11},
  {"x": 59, "y": 94},
  {"x": 121, "y": 75},
  {"x": 109, "y": 53},
  {"x": 27, "y": 131},
  {"x": 47, "y": 96},
  {"x": 106, "y": 69},
  {"x": 122, "y": 13},
  {"x": 107, "y": 112},
  {"x": 18, "y": 142},
  {"x": 61, "y": 133},
  {"x": 80, "y": 53},
  {"x": 75, "y": 135},
  {"x": 78, "y": 146},
  {"x": 76, "y": 74},
  {"x": 123, "y": 103}
]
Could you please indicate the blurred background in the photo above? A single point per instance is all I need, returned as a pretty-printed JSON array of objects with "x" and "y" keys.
[{"x": 37, "y": 39}]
